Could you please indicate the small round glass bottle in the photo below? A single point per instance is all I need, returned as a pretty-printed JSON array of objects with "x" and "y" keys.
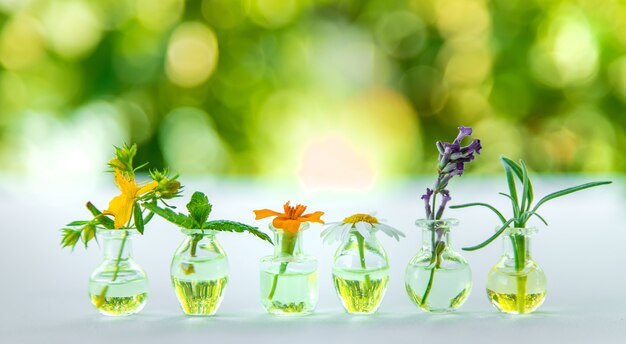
[
  {"x": 199, "y": 272},
  {"x": 438, "y": 279},
  {"x": 516, "y": 284},
  {"x": 118, "y": 286},
  {"x": 289, "y": 284},
  {"x": 360, "y": 272}
]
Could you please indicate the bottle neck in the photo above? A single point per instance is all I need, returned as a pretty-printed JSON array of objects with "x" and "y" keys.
[
  {"x": 431, "y": 236},
  {"x": 287, "y": 243},
  {"x": 118, "y": 245},
  {"x": 516, "y": 247}
]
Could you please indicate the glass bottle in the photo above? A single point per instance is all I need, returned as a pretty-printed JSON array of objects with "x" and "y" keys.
[
  {"x": 516, "y": 284},
  {"x": 199, "y": 272},
  {"x": 289, "y": 283},
  {"x": 360, "y": 272},
  {"x": 118, "y": 286},
  {"x": 438, "y": 279}
]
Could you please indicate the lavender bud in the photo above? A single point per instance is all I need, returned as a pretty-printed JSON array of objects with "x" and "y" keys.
[
  {"x": 426, "y": 198},
  {"x": 463, "y": 133},
  {"x": 440, "y": 147},
  {"x": 444, "y": 201}
]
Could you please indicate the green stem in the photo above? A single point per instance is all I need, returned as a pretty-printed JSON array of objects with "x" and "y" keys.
[
  {"x": 117, "y": 266},
  {"x": 361, "y": 241},
  {"x": 519, "y": 252},
  {"x": 194, "y": 244},
  {"x": 429, "y": 286},
  {"x": 282, "y": 269},
  {"x": 288, "y": 244},
  {"x": 433, "y": 247}
]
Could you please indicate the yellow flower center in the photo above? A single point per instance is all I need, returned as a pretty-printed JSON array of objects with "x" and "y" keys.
[{"x": 360, "y": 218}]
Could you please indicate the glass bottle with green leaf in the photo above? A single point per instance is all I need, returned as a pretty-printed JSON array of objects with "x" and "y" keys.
[
  {"x": 199, "y": 268},
  {"x": 118, "y": 286},
  {"x": 516, "y": 284}
]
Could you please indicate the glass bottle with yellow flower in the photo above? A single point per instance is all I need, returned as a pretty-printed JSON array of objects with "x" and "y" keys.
[
  {"x": 199, "y": 268},
  {"x": 118, "y": 286},
  {"x": 289, "y": 284},
  {"x": 360, "y": 266}
]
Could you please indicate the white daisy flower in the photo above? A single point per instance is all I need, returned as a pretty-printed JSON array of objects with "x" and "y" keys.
[{"x": 361, "y": 223}]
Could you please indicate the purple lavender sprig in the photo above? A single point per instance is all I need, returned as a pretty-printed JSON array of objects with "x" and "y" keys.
[{"x": 452, "y": 160}]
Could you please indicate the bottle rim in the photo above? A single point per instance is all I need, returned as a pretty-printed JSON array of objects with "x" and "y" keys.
[
  {"x": 117, "y": 232},
  {"x": 525, "y": 231},
  {"x": 428, "y": 224},
  {"x": 303, "y": 226},
  {"x": 203, "y": 231}
]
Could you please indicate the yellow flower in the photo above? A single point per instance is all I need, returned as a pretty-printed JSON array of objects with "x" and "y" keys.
[{"x": 121, "y": 206}]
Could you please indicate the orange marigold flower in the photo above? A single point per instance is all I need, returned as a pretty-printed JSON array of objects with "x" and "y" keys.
[
  {"x": 121, "y": 206},
  {"x": 292, "y": 217}
]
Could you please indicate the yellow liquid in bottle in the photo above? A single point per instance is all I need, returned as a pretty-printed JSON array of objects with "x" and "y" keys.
[
  {"x": 361, "y": 292},
  {"x": 200, "y": 297}
]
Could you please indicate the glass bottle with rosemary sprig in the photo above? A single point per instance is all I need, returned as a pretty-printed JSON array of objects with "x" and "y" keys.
[
  {"x": 199, "y": 268},
  {"x": 516, "y": 284},
  {"x": 438, "y": 279},
  {"x": 289, "y": 284},
  {"x": 360, "y": 266},
  {"x": 118, "y": 286}
]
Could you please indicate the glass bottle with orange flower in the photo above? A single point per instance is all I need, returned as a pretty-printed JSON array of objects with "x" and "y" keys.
[
  {"x": 118, "y": 286},
  {"x": 289, "y": 282}
]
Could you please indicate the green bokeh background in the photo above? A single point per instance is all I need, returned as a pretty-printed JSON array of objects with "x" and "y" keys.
[{"x": 327, "y": 92}]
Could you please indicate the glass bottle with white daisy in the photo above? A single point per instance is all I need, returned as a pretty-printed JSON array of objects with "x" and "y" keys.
[{"x": 360, "y": 267}]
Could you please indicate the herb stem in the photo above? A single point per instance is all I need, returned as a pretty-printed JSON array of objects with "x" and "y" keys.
[
  {"x": 361, "y": 241},
  {"x": 433, "y": 246},
  {"x": 519, "y": 252},
  {"x": 288, "y": 244},
  {"x": 117, "y": 266}
]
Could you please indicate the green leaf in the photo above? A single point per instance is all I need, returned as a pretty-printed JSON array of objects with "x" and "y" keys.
[
  {"x": 77, "y": 223},
  {"x": 492, "y": 238},
  {"x": 527, "y": 214},
  {"x": 171, "y": 216},
  {"x": 517, "y": 169},
  {"x": 138, "y": 216},
  {"x": 499, "y": 214},
  {"x": 199, "y": 208},
  {"x": 511, "y": 182},
  {"x": 103, "y": 220},
  {"x": 568, "y": 191},
  {"x": 528, "y": 185},
  {"x": 232, "y": 226},
  {"x": 70, "y": 237},
  {"x": 89, "y": 232}
]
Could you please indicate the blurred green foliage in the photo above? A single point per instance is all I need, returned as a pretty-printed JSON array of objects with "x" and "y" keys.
[{"x": 332, "y": 92}]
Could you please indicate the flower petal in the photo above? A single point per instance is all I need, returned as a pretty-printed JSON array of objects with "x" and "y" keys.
[
  {"x": 286, "y": 224},
  {"x": 263, "y": 213},
  {"x": 121, "y": 207},
  {"x": 313, "y": 217},
  {"x": 390, "y": 231},
  {"x": 147, "y": 188},
  {"x": 345, "y": 231},
  {"x": 364, "y": 229},
  {"x": 329, "y": 229}
]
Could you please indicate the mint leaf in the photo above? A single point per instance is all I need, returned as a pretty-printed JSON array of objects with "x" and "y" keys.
[
  {"x": 232, "y": 226},
  {"x": 199, "y": 208},
  {"x": 171, "y": 216}
]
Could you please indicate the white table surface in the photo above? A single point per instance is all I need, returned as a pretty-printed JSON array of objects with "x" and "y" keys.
[{"x": 43, "y": 294}]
